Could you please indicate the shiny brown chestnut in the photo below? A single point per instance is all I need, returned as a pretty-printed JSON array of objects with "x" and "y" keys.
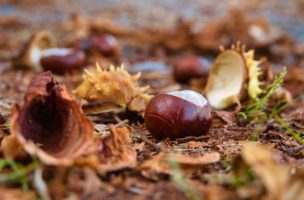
[
  {"x": 63, "y": 60},
  {"x": 189, "y": 67},
  {"x": 106, "y": 44},
  {"x": 178, "y": 114}
]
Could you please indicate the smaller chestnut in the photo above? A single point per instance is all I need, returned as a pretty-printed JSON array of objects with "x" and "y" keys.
[
  {"x": 178, "y": 114},
  {"x": 106, "y": 44},
  {"x": 189, "y": 67},
  {"x": 85, "y": 45},
  {"x": 62, "y": 60}
]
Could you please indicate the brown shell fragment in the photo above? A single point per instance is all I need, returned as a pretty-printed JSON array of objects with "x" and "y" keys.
[
  {"x": 117, "y": 153},
  {"x": 49, "y": 123}
]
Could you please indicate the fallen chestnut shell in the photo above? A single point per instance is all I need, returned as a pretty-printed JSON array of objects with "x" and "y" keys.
[
  {"x": 50, "y": 124},
  {"x": 178, "y": 114},
  {"x": 62, "y": 60},
  {"x": 189, "y": 67},
  {"x": 106, "y": 44}
]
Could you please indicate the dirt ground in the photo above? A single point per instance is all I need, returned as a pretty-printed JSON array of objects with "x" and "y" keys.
[{"x": 259, "y": 159}]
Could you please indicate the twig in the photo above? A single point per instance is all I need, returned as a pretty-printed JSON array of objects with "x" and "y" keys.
[{"x": 156, "y": 147}]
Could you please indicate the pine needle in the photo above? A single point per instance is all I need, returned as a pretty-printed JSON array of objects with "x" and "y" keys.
[{"x": 293, "y": 133}]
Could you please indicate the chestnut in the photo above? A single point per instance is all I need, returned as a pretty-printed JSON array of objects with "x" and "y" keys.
[
  {"x": 62, "y": 60},
  {"x": 85, "y": 45},
  {"x": 189, "y": 67},
  {"x": 178, "y": 114},
  {"x": 106, "y": 44}
]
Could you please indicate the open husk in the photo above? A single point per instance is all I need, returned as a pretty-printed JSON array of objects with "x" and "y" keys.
[
  {"x": 115, "y": 88},
  {"x": 30, "y": 55},
  {"x": 49, "y": 124},
  {"x": 233, "y": 75}
]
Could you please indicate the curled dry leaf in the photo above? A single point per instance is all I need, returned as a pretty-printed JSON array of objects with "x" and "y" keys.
[
  {"x": 117, "y": 153},
  {"x": 277, "y": 179},
  {"x": 31, "y": 53},
  {"x": 49, "y": 123},
  {"x": 114, "y": 87},
  {"x": 233, "y": 75},
  {"x": 161, "y": 162}
]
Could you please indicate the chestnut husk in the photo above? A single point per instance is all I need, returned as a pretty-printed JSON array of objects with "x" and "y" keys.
[
  {"x": 240, "y": 81},
  {"x": 38, "y": 42},
  {"x": 49, "y": 124}
]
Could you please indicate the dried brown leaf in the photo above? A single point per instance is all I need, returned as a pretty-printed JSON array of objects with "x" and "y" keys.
[
  {"x": 161, "y": 162},
  {"x": 117, "y": 153},
  {"x": 276, "y": 178}
]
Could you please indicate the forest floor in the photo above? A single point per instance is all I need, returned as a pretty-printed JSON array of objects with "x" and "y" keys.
[{"x": 257, "y": 159}]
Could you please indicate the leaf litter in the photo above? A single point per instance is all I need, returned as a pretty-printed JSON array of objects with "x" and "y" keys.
[{"x": 254, "y": 151}]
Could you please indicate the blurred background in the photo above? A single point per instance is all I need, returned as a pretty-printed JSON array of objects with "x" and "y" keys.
[
  {"x": 287, "y": 14},
  {"x": 69, "y": 20}
]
